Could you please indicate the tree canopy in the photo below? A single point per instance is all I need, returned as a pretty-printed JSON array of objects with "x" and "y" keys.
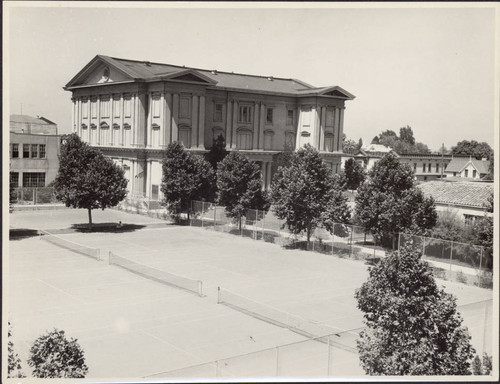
[
  {"x": 186, "y": 177},
  {"x": 413, "y": 327},
  {"x": 354, "y": 174},
  {"x": 351, "y": 146},
  {"x": 54, "y": 356},
  {"x": 389, "y": 202},
  {"x": 473, "y": 148},
  {"x": 404, "y": 143},
  {"x": 217, "y": 153},
  {"x": 14, "y": 368},
  {"x": 305, "y": 193},
  {"x": 86, "y": 178},
  {"x": 239, "y": 186}
]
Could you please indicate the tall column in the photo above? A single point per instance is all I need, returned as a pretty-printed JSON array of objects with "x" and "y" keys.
[
  {"x": 315, "y": 126},
  {"x": 168, "y": 119},
  {"x": 261, "y": 125},
  {"x": 142, "y": 119},
  {"x": 79, "y": 117},
  {"x": 263, "y": 173},
  {"x": 268, "y": 174},
  {"x": 135, "y": 136},
  {"x": 73, "y": 123},
  {"x": 175, "y": 116},
  {"x": 162, "y": 119},
  {"x": 132, "y": 177},
  {"x": 122, "y": 118},
  {"x": 201, "y": 123},
  {"x": 228, "y": 124},
  {"x": 341, "y": 126},
  {"x": 112, "y": 117},
  {"x": 148, "y": 178},
  {"x": 99, "y": 120},
  {"x": 149, "y": 119},
  {"x": 255, "y": 126},
  {"x": 336, "y": 128},
  {"x": 235, "y": 123},
  {"x": 194, "y": 121},
  {"x": 322, "y": 129}
]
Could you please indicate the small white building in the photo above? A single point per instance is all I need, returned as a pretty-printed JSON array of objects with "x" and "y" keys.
[{"x": 467, "y": 167}]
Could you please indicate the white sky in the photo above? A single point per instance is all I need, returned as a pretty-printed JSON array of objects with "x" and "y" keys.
[{"x": 432, "y": 69}]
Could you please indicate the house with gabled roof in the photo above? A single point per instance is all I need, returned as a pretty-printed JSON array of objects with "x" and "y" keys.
[
  {"x": 133, "y": 109},
  {"x": 467, "y": 167}
]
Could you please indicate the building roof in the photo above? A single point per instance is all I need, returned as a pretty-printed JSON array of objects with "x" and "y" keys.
[
  {"x": 30, "y": 120},
  {"x": 458, "y": 193},
  {"x": 377, "y": 148},
  {"x": 148, "y": 71},
  {"x": 458, "y": 163}
]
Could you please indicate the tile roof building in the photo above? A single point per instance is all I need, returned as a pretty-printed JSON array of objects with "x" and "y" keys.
[
  {"x": 133, "y": 109},
  {"x": 469, "y": 199}
]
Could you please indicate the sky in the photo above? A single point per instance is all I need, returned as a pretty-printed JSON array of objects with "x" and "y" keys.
[{"x": 429, "y": 68}]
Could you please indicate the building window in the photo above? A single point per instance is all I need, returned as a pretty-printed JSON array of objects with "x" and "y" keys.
[
  {"x": 185, "y": 136},
  {"x": 469, "y": 219},
  {"x": 34, "y": 179},
  {"x": 105, "y": 107},
  {"x": 156, "y": 106},
  {"x": 424, "y": 168},
  {"x": 93, "y": 108},
  {"x": 85, "y": 109},
  {"x": 329, "y": 142},
  {"x": 425, "y": 178},
  {"x": 437, "y": 167},
  {"x": 430, "y": 167},
  {"x": 127, "y": 105},
  {"x": 269, "y": 115},
  {"x": 268, "y": 140},
  {"x": 218, "y": 108},
  {"x": 116, "y": 106},
  {"x": 454, "y": 173},
  {"x": 290, "y": 141},
  {"x": 244, "y": 139},
  {"x": 15, "y": 151},
  {"x": 289, "y": 117},
  {"x": 415, "y": 167},
  {"x": 474, "y": 173},
  {"x": 34, "y": 150},
  {"x": 329, "y": 118},
  {"x": 184, "y": 108},
  {"x": 14, "y": 179},
  {"x": 466, "y": 173},
  {"x": 26, "y": 151},
  {"x": 42, "y": 151},
  {"x": 245, "y": 115},
  {"x": 445, "y": 166}
]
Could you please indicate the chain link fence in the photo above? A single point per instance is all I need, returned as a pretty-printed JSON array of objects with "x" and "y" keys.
[
  {"x": 465, "y": 263},
  {"x": 35, "y": 195}
]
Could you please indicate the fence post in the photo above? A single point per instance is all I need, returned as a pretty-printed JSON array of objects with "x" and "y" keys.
[
  {"x": 333, "y": 237},
  {"x": 328, "y": 358},
  {"x": 35, "y": 195},
  {"x": 480, "y": 266},
  {"x": 263, "y": 225},
  {"x": 215, "y": 216},
  {"x": 218, "y": 295},
  {"x": 451, "y": 253},
  {"x": 192, "y": 213},
  {"x": 352, "y": 230},
  {"x": 202, "y": 212},
  {"x": 277, "y": 361}
]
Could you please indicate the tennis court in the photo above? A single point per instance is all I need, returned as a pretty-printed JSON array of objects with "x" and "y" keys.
[{"x": 130, "y": 326}]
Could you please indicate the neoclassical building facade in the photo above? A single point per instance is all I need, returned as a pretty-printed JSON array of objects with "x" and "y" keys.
[{"x": 132, "y": 110}]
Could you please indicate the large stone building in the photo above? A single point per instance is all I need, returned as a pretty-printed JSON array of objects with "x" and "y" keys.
[
  {"x": 34, "y": 150},
  {"x": 133, "y": 109}
]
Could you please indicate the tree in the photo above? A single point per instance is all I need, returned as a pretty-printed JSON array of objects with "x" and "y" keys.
[
  {"x": 473, "y": 148},
  {"x": 14, "y": 362},
  {"x": 239, "y": 186},
  {"x": 12, "y": 196},
  {"x": 86, "y": 178},
  {"x": 186, "y": 177},
  {"x": 406, "y": 135},
  {"x": 360, "y": 143},
  {"x": 304, "y": 192},
  {"x": 405, "y": 143},
  {"x": 53, "y": 356},
  {"x": 390, "y": 202},
  {"x": 413, "y": 327},
  {"x": 376, "y": 140},
  {"x": 350, "y": 147},
  {"x": 217, "y": 153},
  {"x": 283, "y": 158},
  {"x": 354, "y": 173}
]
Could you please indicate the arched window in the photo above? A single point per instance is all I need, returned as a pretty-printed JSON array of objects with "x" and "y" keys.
[
  {"x": 85, "y": 133},
  {"x": 127, "y": 134},
  {"x": 329, "y": 142},
  {"x": 155, "y": 135},
  {"x": 244, "y": 139},
  {"x": 268, "y": 140},
  {"x": 218, "y": 131},
  {"x": 185, "y": 136},
  {"x": 104, "y": 138},
  {"x": 116, "y": 134},
  {"x": 93, "y": 134},
  {"x": 290, "y": 140}
]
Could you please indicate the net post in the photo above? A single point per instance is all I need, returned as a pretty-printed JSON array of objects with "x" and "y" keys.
[
  {"x": 200, "y": 288},
  {"x": 215, "y": 216},
  {"x": 202, "y": 212},
  {"x": 218, "y": 295},
  {"x": 480, "y": 266},
  {"x": 328, "y": 357},
  {"x": 333, "y": 237},
  {"x": 109, "y": 258},
  {"x": 277, "y": 361}
]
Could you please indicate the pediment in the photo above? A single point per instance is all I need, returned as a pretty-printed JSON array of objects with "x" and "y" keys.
[
  {"x": 337, "y": 92},
  {"x": 99, "y": 71},
  {"x": 190, "y": 76}
]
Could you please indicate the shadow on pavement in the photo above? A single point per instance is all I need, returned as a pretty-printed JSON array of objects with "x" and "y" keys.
[
  {"x": 22, "y": 233},
  {"x": 106, "y": 227}
]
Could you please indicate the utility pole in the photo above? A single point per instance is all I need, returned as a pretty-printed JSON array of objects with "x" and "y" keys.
[{"x": 442, "y": 161}]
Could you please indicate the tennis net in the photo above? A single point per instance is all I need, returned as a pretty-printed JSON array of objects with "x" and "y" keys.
[
  {"x": 310, "y": 329},
  {"x": 157, "y": 275},
  {"x": 72, "y": 246}
]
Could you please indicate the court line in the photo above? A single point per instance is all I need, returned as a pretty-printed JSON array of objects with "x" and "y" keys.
[{"x": 60, "y": 290}]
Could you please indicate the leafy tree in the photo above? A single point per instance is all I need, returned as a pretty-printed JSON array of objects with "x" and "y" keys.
[
  {"x": 473, "y": 148},
  {"x": 239, "y": 186},
  {"x": 336, "y": 211},
  {"x": 413, "y": 327},
  {"x": 12, "y": 196},
  {"x": 186, "y": 177},
  {"x": 390, "y": 202},
  {"x": 405, "y": 143},
  {"x": 53, "y": 356},
  {"x": 282, "y": 159},
  {"x": 350, "y": 147},
  {"x": 305, "y": 193},
  {"x": 217, "y": 153},
  {"x": 360, "y": 143},
  {"x": 14, "y": 362},
  {"x": 86, "y": 178},
  {"x": 354, "y": 173},
  {"x": 376, "y": 140},
  {"x": 406, "y": 135},
  {"x": 482, "y": 367}
]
